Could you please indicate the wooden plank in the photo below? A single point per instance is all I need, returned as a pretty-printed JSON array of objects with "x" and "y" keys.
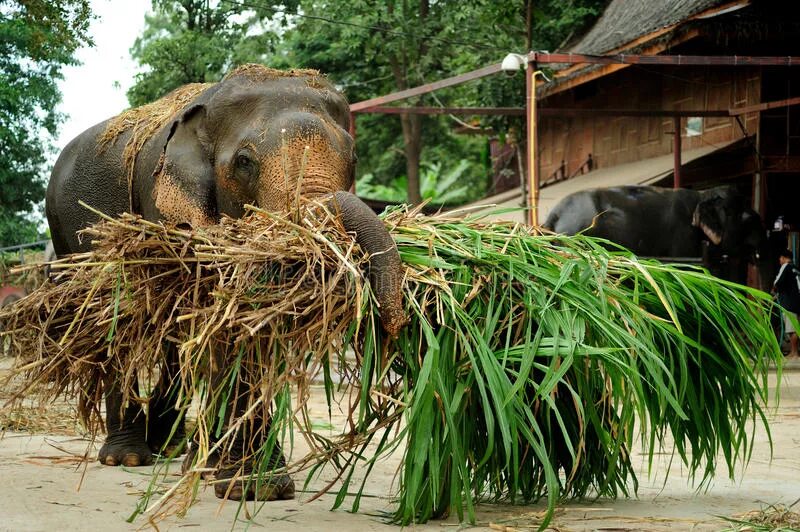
[
  {"x": 764, "y": 106},
  {"x": 572, "y": 112},
  {"x": 428, "y": 87},
  {"x": 511, "y": 111}
]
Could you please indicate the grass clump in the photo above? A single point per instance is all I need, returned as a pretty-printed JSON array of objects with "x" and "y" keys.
[{"x": 530, "y": 368}]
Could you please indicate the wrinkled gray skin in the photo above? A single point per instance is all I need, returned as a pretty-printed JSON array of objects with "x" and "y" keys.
[
  {"x": 714, "y": 224},
  {"x": 241, "y": 141}
]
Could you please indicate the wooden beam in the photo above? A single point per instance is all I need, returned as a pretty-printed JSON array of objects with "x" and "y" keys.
[
  {"x": 572, "y": 112},
  {"x": 668, "y": 60},
  {"x": 764, "y": 106},
  {"x": 532, "y": 145},
  {"x": 612, "y": 62},
  {"x": 512, "y": 111},
  {"x": 428, "y": 87},
  {"x": 577, "y": 112},
  {"x": 781, "y": 163},
  {"x": 676, "y": 152}
]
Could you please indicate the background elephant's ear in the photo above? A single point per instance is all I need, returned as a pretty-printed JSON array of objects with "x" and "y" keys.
[
  {"x": 184, "y": 185},
  {"x": 709, "y": 216}
]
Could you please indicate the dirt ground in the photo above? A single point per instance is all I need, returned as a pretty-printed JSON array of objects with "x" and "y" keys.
[{"x": 40, "y": 475}]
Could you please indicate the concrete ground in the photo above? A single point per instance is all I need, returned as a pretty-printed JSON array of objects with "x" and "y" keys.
[{"x": 45, "y": 485}]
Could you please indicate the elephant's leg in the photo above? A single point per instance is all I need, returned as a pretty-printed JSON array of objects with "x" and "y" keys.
[
  {"x": 166, "y": 433},
  {"x": 242, "y": 478},
  {"x": 237, "y": 475},
  {"x": 125, "y": 442}
]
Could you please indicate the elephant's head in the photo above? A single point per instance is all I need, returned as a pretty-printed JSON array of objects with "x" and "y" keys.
[
  {"x": 260, "y": 136},
  {"x": 736, "y": 232},
  {"x": 265, "y": 137}
]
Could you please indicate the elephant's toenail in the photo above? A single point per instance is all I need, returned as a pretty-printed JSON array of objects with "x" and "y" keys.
[
  {"x": 131, "y": 460},
  {"x": 110, "y": 460}
]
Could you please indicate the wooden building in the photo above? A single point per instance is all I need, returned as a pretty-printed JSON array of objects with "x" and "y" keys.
[{"x": 606, "y": 125}]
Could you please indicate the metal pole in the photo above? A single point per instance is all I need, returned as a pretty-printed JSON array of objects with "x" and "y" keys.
[{"x": 677, "y": 151}]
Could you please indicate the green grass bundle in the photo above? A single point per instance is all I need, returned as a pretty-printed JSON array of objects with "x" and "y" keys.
[{"x": 530, "y": 368}]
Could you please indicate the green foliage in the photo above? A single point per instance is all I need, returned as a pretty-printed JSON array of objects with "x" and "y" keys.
[
  {"x": 374, "y": 49},
  {"x": 368, "y": 49},
  {"x": 437, "y": 186},
  {"x": 534, "y": 367},
  {"x": 37, "y": 38},
  {"x": 188, "y": 41}
]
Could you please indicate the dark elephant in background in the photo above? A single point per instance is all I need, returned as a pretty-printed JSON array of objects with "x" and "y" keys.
[
  {"x": 716, "y": 225},
  {"x": 203, "y": 151}
]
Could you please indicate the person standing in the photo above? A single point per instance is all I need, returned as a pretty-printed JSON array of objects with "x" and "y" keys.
[{"x": 787, "y": 287}]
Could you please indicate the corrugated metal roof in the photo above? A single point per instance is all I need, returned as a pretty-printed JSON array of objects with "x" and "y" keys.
[{"x": 624, "y": 21}]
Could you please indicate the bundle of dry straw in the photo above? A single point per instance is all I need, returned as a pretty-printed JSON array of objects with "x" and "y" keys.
[{"x": 527, "y": 368}]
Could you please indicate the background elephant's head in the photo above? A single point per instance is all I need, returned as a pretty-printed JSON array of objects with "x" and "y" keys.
[
  {"x": 735, "y": 232},
  {"x": 260, "y": 136}
]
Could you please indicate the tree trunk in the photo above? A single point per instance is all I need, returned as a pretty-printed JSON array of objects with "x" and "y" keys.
[
  {"x": 411, "y": 124},
  {"x": 412, "y": 137}
]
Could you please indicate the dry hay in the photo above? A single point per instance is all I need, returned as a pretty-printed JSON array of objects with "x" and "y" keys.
[
  {"x": 235, "y": 288},
  {"x": 526, "y": 356},
  {"x": 225, "y": 297},
  {"x": 143, "y": 122},
  {"x": 774, "y": 517},
  {"x": 256, "y": 72},
  {"x": 58, "y": 419}
]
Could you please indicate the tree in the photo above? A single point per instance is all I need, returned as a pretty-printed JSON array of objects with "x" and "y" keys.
[
  {"x": 372, "y": 49},
  {"x": 37, "y": 38},
  {"x": 368, "y": 48},
  {"x": 187, "y": 41}
]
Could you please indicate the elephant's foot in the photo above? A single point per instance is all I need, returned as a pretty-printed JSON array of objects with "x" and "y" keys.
[
  {"x": 166, "y": 428},
  {"x": 125, "y": 448},
  {"x": 275, "y": 487},
  {"x": 159, "y": 439},
  {"x": 229, "y": 484},
  {"x": 208, "y": 469}
]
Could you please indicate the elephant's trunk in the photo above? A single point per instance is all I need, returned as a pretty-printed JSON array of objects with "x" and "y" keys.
[{"x": 385, "y": 267}]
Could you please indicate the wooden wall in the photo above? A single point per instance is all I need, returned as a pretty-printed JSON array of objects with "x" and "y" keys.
[{"x": 618, "y": 140}]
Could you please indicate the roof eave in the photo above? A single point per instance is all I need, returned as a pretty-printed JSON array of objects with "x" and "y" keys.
[{"x": 570, "y": 81}]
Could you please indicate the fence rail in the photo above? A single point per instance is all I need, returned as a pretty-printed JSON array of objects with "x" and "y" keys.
[{"x": 20, "y": 248}]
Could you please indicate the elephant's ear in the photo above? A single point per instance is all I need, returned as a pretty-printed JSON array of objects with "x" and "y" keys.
[
  {"x": 184, "y": 186},
  {"x": 709, "y": 216}
]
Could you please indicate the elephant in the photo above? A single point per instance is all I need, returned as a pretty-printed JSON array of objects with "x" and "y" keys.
[
  {"x": 715, "y": 225},
  {"x": 201, "y": 152}
]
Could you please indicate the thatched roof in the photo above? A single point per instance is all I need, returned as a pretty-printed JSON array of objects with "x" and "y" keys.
[
  {"x": 624, "y": 21},
  {"x": 634, "y": 27}
]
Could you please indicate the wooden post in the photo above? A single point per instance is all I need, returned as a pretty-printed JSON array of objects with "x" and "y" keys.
[
  {"x": 676, "y": 121},
  {"x": 533, "y": 161},
  {"x": 352, "y": 131}
]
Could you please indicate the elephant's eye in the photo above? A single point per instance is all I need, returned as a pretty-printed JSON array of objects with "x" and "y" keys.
[{"x": 245, "y": 166}]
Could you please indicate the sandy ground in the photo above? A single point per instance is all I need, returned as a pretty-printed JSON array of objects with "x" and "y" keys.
[{"x": 40, "y": 475}]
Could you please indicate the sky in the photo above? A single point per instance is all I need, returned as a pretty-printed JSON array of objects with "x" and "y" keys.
[{"x": 95, "y": 90}]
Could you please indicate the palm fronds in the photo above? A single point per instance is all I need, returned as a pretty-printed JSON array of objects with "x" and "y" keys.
[{"x": 531, "y": 367}]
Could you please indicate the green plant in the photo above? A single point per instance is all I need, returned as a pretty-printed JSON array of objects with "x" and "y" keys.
[
  {"x": 437, "y": 187},
  {"x": 530, "y": 368}
]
